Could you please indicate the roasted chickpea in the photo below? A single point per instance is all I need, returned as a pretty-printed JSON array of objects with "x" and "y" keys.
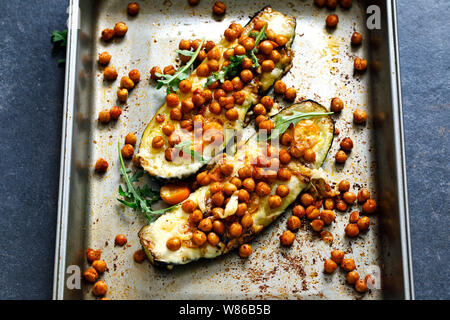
[
  {"x": 259, "y": 109},
  {"x": 227, "y": 168},
  {"x": 193, "y": 2},
  {"x": 294, "y": 223},
  {"x": 126, "y": 83},
  {"x": 260, "y": 119},
  {"x": 176, "y": 114},
  {"x": 127, "y": 151},
  {"x": 348, "y": 264},
  {"x": 230, "y": 35},
  {"x": 259, "y": 24},
  {"x": 281, "y": 40},
  {"x": 101, "y": 165},
  {"x": 279, "y": 87},
  {"x": 120, "y": 29},
  {"x": 246, "y": 75},
  {"x": 354, "y": 217},
  {"x": 360, "y": 64},
  {"x": 232, "y": 114},
  {"x": 268, "y": 65},
  {"x": 263, "y": 189},
  {"x": 99, "y": 266},
  {"x": 286, "y": 139},
  {"x": 282, "y": 190},
  {"x": 363, "y": 224},
  {"x": 349, "y": 197},
  {"x": 99, "y": 289},
  {"x": 267, "y": 102},
  {"x": 337, "y": 256},
  {"x": 199, "y": 238},
  {"x": 169, "y": 153},
  {"x": 168, "y": 129},
  {"x": 340, "y": 157},
  {"x": 188, "y": 206},
  {"x": 216, "y": 187},
  {"x": 214, "y": 54},
  {"x": 298, "y": 211},
  {"x": 363, "y": 195},
  {"x": 326, "y": 236},
  {"x": 309, "y": 155},
  {"x": 317, "y": 225},
  {"x": 130, "y": 138},
  {"x": 185, "y": 86},
  {"x": 93, "y": 255},
  {"x": 213, "y": 239},
  {"x": 346, "y": 144},
  {"x": 328, "y": 204},
  {"x": 110, "y": 73},
  {"x": 157, "y": 142},
  {"x": 336, "y": 105},
  {"x": 284, "y": 157},
  {"x": 133, "y": 8},
  {"x": 246, "y": 220},
  {"x": 306, "y": 199},
  {"x": 248, "y": 44},
  {"x": 370, "y": 206},
  {"x": 139, "y": 256},
  {"x": 329, "y": 266},
  {"x": 275, "y": 56},
  {"x": 245, "y": 172},
  {"x": 290, "y": 94},
  {"x": 267, "y": 125},
  {"x": 173, "y": 244},
  {"x": 154, "y": 71},
  {"x": 239, "y": 50},
  {"x": 352, "y": 277},
  {"x": 361, "y": 286},
  {"x": 327, "y": 216},
  {"x": 346, "y": 4},
  {"x": 320, "y": 3},
  {"x": 219, "y": 227},
  {"x": 332, "y": 4},
  {"x": 249, "y": 184},
  {"x": 243, "y": 195},
  {"x": 134, "y": 75},
  {"x": 195, "y": 217},
  {"x": 169, "y": 70},
  {"x": 344, "y": 186},
  {"x": 120, "y": 240},
  {"x": 332, "y": 21},
  {"x": 122, "y": 95},
  {"x": 266, "y": 47},
  {"x": 247, "y": 63},
  {"x": 104, "y": 116},
  {"x": 219, "y": 8},
  {"x": 209, "y": 45},
  {"x": 241, "y": 209},
  {"x": 90, "y": 275},
  {"x": 245, "y": 250},
  {"x": 352, "y": 230},
  {"x": 359, "y": 116},
  {"x": 107, "y": 34},
  {"x": 275, "y": 201},
  {"x": 235, "y": 230},
  {"x": 218, "y": 212},
  {"x": 218, "y": 198},
  {"x": 172, "y": 100},
  {"x": 104, "y": 58},
  {"x": 229, "y": 189},
  {"x": 357, "y": 38},
  {"x": 287, "y": 238},
  {"x": 312, "y": 213},
  {"x": 341, "y": 205}
]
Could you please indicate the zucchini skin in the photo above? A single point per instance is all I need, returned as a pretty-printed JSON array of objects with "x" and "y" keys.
[
  {"x": 148, "y": 157},
  {"x": 246, "y": 237}
]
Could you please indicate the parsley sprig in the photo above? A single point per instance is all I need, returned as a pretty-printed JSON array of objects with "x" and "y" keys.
[
  {"x": 227, "y": 72},
  {"x": 185, "y": 146},
  {"x": 261, "y": 36},
  {"x": 139, "y": 198},
  {"x": 172, "y": 82},
  {"x": 283, "y": 122},
  {"x": 59, "y": 40}
]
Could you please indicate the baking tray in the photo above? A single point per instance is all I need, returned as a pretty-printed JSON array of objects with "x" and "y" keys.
[{"x": 89, "y": 215}]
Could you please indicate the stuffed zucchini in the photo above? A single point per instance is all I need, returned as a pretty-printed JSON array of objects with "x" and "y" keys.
[
  {"x": 243, "y": 193},
  {"x": 211, "y": 104}
]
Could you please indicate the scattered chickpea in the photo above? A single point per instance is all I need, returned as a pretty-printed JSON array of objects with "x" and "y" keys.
[
  {"x": 317, "y": 225},
  {"x": 344, "y": 186},
  {"x": 120, "y": 29},
  {"x": 363, "y": 224},
  {"x": 298, "y": 211},
  {"x": 219, "y": 8},
  {"x": 120, "y": 240},
  {"x": 336, "y": 105},
  {"x": 110, "y": 73},
  {"x": 327, "y": 216},
  {"x": 361, "y": 286},
  {"x": 195, "y": 217},
  {"x": 245, "y": 250},
  {"x": 306, "y": 199},
  {"x": 312, "y": 212},
  {"x": 246, "y": 220},
  {"x": 370, "y": 206},
  {"x": 309, "y": 155},
  {"x": 104, "y": 116},
  {"x": 328, "y": 204},
  {"x": 346, "y": 144},
  {"x": 329, "y": 266},
  {"x": 122, "y": 95},
  {"x": 282, "y": 190},
  {"x": 341, "y": 205},
  {"x": 219, "y": 227},
  {"x": 290, "y": 94},
  {"x": 275, "y": 201},
  {"x": 130, "y": 139},
  {"x": 346, "y": 4},
  {"x": 349, "y": 197},
  {"x": 332, "y": 20},
  {"x": 294, "y": 223},
  {"x": 340, "y": 157},
  {"x": 93, "y": 255},
  {"x": 357, "y": 38},
  {"x": 359, "y": 116},
  {"x": 354, "y": 217},
  {"x": 99, "y": 265},
  {"x": 115, "y": 112},
  {"x": 280, "y": 87},
  {"x": 352, "y": 230},
  {"x": 107, "y": 34},
  {"x": 101, "y": 165},
  {"x": 360, "y": 64},
  {"x": 90, "y": 275},
  {"x": 154, "y": 71},
  {"x": 332, "y": 4},
  {"x": 169, "y": 70},
  {"x": 173, "y": 244},
  {"x": 135, "y": 75},
  {"x": 352, "y": 277},
  {"x": 127, "y": 151},
  {"x": 348, "y": 264},
  {"x": 337, "y": 256},
  {"x": 139, "y": 256},
  {"x": 104, "y": 58},
  {"x": 133, "y": 9},
  {"x": 287, "y": 238},
  {"x": 363, "y": 195},
  {"x": 193, "y": 2},
  {"x": 320, "y": 3},
  {"x": 99, "y": 289},
  {"x": 326, "y": 236}
]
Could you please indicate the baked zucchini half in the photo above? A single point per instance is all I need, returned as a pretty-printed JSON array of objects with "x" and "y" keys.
[
  {"x": 158, "y": 152},
  {"x": 296, "y": 174}
]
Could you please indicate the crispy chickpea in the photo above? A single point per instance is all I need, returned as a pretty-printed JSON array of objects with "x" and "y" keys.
[
  {"x": 268, "y": 65},
  {"x": 247, "y": 63},
  {"x": 241, "y": 209},
  {"x": 287, "y": 238},
  {"x": 104, "y": 58},
  {"x": 320, "y": 3},
  {"x": 213, "y": 239},
  {"x": 370, "y": 206},
  {"x": 230, "y": 34},
  {"x": 294, "y": 223},
  {"x": 329, "y": 266},
  {"x": 327, "y": 216},
  {"x": 187, "y": 105},
  {"x": 245, "y": 250},
  {"x": 259, "y": 24},
  {"x": 218, "y": 227},
  {"x": 260, "y": 119},
  {"x": 227, "y": 168},
  {"x": 120, "y": 29},
  {"x": 336, "y": 131},
  {"x": 127, "y": 151},
  {"x": 246, "y": 220},
  {"x": 341, "y": 205},
  {"x": 349, "y": 197},
  {"x": 281, "y": 40},
  {"x": 139, "y": 256},
  {"x": 239, "y": 50},
  {"x": 332, "y": 4},
  {"x": 176, "y": 114},
  {"x": 307, "y": 200},
  {"x": 354, "y": 217},
  {"x": 157, "y": 142},
  {"x": 235, "y": 230},
  {"x": 93, "y": 255},
  {"x": 298, "y": 211},
  {"x": 107, "y": 34},
  {"x": 352, "y": 230},
  {"x": 344, "y": 186},
  {"x": 359, "y": 116},
  {"x": 249, "y": 184},
  {"x": 237, "y": 83},
  {"x": 134, "y": 75},
  {"x": 267, "y": 102},
  {"x": 328, "y": 204},
  {"x": 275, "y": 56},
  {"x": 120, "y": 240},
  {"x": 169, "y": 70},
  {"x": 348, "y": 264},
  {"x": 130, "y": 138},
  {"x": 188, "y": 206},
  {"x": 169, "y": 153},
  {"x": 246, "y": 75},
  {"x": 195, "y": 217},
  {"x": 340, "y": 157},
  {"x": 243, "y": 195},
  {"x": 275, "y": 201},
  {"x": 99, "y": 265},
  {"x": 290, "y": 94},
  {"x": 312, "y": 213},
  {"x": 279, "y": 87},
  {"x": 115, "y": 112},
  {"x": 110, "y": 73},
  {"x": 361, "y": 286},
  {"x": 133, "y": 8},
  {"x": 232, "y": 114},
  {"x": 101, "y": 165},
  {"x": 154, "y": 71},
  {"x": 286, "y": 139},
  {"x": 229, "y": 188},
  {"x": 337, "y": 256},
  {"x": 185, "y": 86},
  {"x": 184, "y": 44},
  {"x": 357, "y": 38},
  {"x": 214, "y": 54},
  {"x": 216, "y": 187},
  {"x": 245, "y": 172},
  {"x": 263, "y": 189},
  {"x": 284, "y": 157},
  {"x": 346, "y": 4},
  {"x": 267, "y": 125},
  {"x": 309, "y": 155},
  {"x": 219, "y": 8},
  {"x": 363, "y": 224},
  {"x": 360, "y": 64},
  {"x": 203, "y": 70},
  {"x": 122, "y": 95},
  {"x": 282, "y": 190},
  {"x": 168, "y": 129},
  {"x": 336, "y": 105},
  {"x": 90, "y": 275},
  {"x": 332, "y": 21},
  {"x": 215, "y": 108},
  {"x": 363, "y": 195},
  {"x": 326, "y": 236},
  {"x": 213, "y": 65},
  {"x": 99, "y": 289},
  {"x": 352, "y": 277},
  {"x": 249, "y": 44},
  {"x": 217, "y": 212},
  {"x": 346, "y": 144},
  {"x": 317, "y": 225},
  {"x": 172, "y": 100},
  {"x": 199, "y": 238},
  {"x": 266, "y": 47},
  {"x": 218, "y": 198}
]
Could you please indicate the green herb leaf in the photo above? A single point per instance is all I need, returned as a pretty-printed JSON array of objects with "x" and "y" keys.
[
  {"x": 59, "y": 38},
  {"x": 172, "y": 82},
  {"x": 185, "y": 146},
  {"x": 139, "y": 198},
  {"x": 283, "y": 122},
  {"x": 227, "y": 72},
  {"x": 261, "y": 36},
  {"x": 185, "y": 53}
]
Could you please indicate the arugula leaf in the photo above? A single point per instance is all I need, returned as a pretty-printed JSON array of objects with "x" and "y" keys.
[
  {"x": 139, "y": 198},
  {"x": 59, "y": 38},
  {"x": 261, "y": 35},
  {"x": 185, "y": 52},
  {"x": 227, "y": 72},
  {"x": 185, "y": 146},
  {"x": 172, "y": 82},
  {"x": 283, "y": 122}
]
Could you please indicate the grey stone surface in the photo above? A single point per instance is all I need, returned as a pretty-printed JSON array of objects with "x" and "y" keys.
[{"x": 31, "y": 86}]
